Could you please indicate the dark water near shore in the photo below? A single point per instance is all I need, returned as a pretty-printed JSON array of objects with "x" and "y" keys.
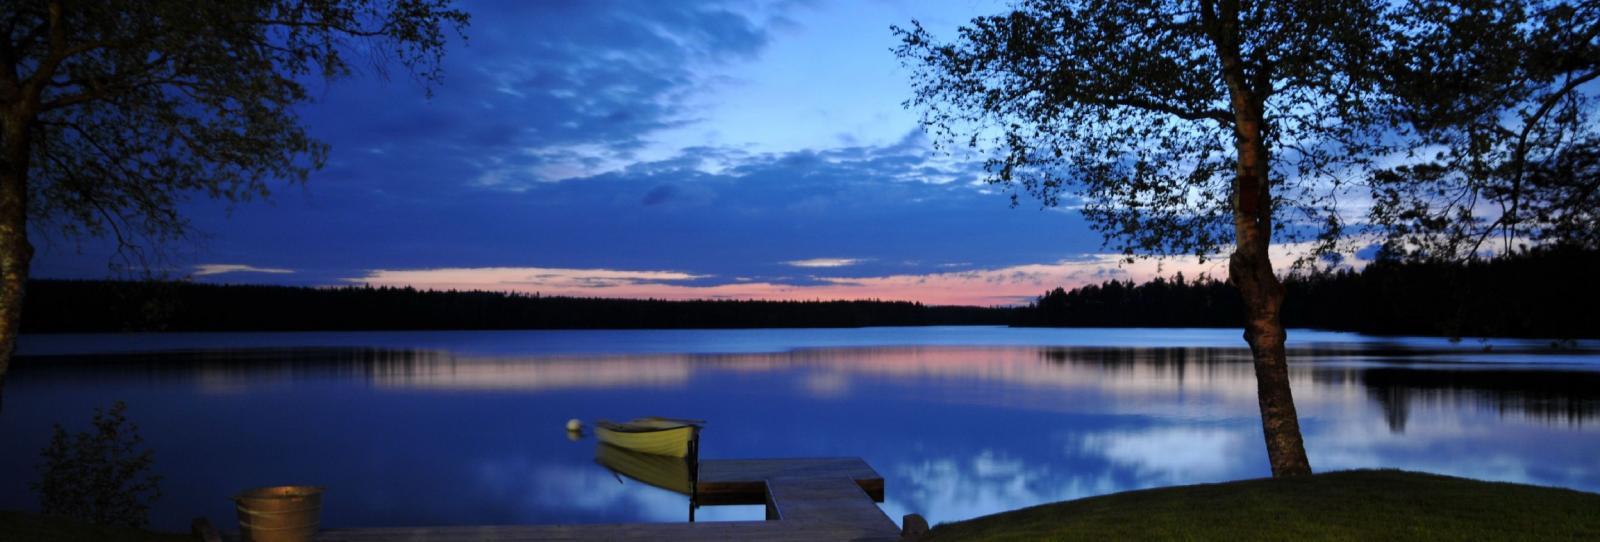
[{"x": 440, "y": 428}]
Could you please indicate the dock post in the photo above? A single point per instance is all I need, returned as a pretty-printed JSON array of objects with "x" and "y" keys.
[
  {"x": 694, "y": 473},
  {"x": 913, "y": 527}
]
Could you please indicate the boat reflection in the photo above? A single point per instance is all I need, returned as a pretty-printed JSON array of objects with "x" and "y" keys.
[{"x": 666, "y": 472}]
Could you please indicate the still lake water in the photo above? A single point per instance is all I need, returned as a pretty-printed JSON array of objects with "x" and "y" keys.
[{"x": 440, "y": 428}]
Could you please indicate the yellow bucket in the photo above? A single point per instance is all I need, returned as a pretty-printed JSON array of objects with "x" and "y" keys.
[{"x": 279, "y": 514}]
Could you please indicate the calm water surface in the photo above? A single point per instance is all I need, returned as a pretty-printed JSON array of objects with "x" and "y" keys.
[{"x": 438, "y": 428}]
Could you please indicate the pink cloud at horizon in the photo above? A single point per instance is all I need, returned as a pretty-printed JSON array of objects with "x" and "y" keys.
[{"x": 1011, "y": 285}]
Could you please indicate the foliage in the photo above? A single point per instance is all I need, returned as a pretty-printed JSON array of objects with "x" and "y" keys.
[
  {"x": 1161, "y": 302},
  {"x": 138, "y": 104},
  {"x": 1444, "y": 122},
  {"x": 1500, "y": 101},
  {"x": 1120, "y": 108},
  {"x": 99, "y": 477},
  {"x": 86, "y": 306},
  {"x": 1540, "y": 292}
]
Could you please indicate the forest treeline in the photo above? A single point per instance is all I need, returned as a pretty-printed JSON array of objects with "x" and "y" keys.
[
  {"x": 1547, "y": 293},
  {"x": 102, "y": 306}
]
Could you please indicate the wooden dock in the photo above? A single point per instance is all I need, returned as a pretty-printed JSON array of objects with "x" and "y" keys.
[{"x": 806, "y": 499}]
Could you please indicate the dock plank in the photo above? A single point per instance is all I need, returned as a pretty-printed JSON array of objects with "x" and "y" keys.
[
  {"x": 726, "y": 470},
  {"x": 836, "y": 502},
  {"x": 743, "y": 481}
]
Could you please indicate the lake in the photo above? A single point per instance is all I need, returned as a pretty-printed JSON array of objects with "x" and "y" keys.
[{"x": 450, "y": 428}]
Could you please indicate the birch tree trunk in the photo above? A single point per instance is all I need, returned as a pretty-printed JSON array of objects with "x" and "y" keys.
[
  {"x": 15, "y": 251},
  {"x": 1250, "y": 266}
]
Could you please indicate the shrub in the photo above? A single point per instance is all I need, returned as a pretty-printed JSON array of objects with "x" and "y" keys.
[{"x": 100, "y": 476}]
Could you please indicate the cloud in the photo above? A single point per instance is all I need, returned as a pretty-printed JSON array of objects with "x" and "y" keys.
[
  {"x": 659, "y": 195},
  {"x": 823, "y": 262},
  {"x": 549, "y": 90},
  {"x": 999, "y": 286},
  {"x": 220, "y": 268},
  {"x": 520, "y": 279},
  {"x": 720, "y": 211}
]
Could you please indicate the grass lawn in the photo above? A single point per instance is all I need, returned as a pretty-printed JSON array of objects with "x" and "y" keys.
[
  {"x": 22, "y": 526},
  {"x": 1349, "y": 505}
]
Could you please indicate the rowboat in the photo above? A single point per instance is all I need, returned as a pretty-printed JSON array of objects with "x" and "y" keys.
[{"x": 659, "y": 436}]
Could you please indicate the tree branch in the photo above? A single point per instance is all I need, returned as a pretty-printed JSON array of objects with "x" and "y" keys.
[
  {"x": 1222, "y": 117},
  {"x": 1528, "y": 124},
  {"x": 33, "y": 88}
]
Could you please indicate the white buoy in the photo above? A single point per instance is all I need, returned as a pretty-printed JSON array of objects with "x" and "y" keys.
[{"x": 574, "y": 425}]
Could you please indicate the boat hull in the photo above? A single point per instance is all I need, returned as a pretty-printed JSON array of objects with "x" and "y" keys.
[{"x": 672, "y": 442}]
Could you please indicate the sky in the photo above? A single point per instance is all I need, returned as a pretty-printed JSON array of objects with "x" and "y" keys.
[{"x": 681, "y": 150}]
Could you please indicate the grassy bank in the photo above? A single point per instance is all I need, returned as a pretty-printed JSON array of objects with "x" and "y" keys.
[
  {"x": 22, "y": 526},
  {"x": 1350, "y": 505}
]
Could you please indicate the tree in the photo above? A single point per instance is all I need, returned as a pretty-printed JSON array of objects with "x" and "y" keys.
[
  {"x": 1179, "y": 127},
  {"x": 1184, "y": 126},
  {"x": 1506, "y": 111},
  {"x": 114, "y": 111}
]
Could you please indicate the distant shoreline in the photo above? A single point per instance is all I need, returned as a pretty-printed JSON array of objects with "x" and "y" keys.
[
  {"x": 1547, "y": 294},
  {"x": 90, "y": 306}
]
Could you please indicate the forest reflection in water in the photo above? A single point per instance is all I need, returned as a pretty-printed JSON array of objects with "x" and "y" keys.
[
  {"x": 958, "y": 431},
  {"x": 1390, "y": 377},
  {"x": 1556, "y": 394}
]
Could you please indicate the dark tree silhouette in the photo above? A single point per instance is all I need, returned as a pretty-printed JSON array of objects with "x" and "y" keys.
[
  {"x": 1179, "y": 127},
  {"x": 112, "y": 111},
  {"x": 1543, "y": 292},
  {"x": 101, "y": 306},
  {"x": 1502, "y": 96}
]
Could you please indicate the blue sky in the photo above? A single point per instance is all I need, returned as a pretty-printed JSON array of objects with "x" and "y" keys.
[{"x": 683, "y": 149}]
